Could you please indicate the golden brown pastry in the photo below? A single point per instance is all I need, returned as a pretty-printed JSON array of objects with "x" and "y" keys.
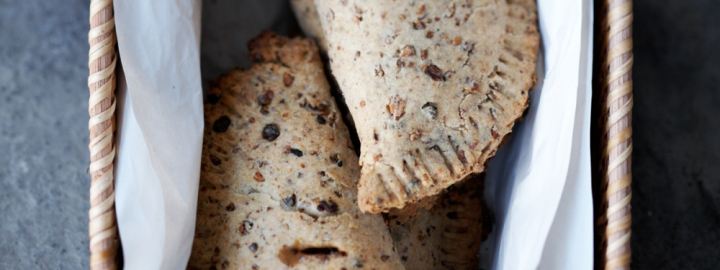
[
  {"x": 449, "y": 235},
  {"x": 433, "y": 87},
  {"x": 278, "y": 177}
]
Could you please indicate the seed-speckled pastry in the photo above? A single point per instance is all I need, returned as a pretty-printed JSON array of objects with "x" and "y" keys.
[
  {"x": 307, "y": 17},
  {"x": 449, "y": 235},
  {"x": 278, "y": 177},
  {"x": 433, "y": 87}
]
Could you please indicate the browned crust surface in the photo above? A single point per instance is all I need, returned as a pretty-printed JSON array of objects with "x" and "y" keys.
[
  {"x": 433, "y": 87},
  {"x": 278, "y": 177},
  {"x": 449, "y": 235}
]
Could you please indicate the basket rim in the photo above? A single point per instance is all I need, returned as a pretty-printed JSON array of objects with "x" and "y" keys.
[{"x": 613, "y": 74}]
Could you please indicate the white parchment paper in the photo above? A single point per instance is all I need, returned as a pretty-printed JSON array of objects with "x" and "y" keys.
[
  {"x": 161, "y": 127},
  {"x": 538, "y": 185}
]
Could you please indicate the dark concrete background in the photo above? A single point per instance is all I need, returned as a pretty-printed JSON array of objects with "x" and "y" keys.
[
  {"x": 43, "y": 135},
  {"x": 676, "y": 158}
]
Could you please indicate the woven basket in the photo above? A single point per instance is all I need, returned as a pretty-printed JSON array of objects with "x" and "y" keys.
[{"x": 612, "y": 134}]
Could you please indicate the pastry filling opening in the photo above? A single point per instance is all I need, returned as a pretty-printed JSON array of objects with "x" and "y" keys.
[{"x": 291, "y": 255}]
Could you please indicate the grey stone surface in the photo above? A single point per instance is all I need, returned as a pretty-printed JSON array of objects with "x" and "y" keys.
[{"x": 43, "y": 134}]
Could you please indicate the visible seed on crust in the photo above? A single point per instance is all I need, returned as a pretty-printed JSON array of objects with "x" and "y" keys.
[
  {"x": 379, "y": 72},
  {"x": 259, "y": 177},
  {"x": 335, "y": 158},
  {"x": 362, "y": 103},
  {"x": 430, "y": 110},
  {"x": 400, "y": 63},
  {"x": 245, "y": 227},
  {"x": 396, "y": 107},
  {"x": 435, "y": 73},
  {"x": 474, "y": 88},
  {"x": 322, "y": 107},
  {"x": 271, "y": 132},
  {"x": 215, "y": 160},
  {"x": 423, "y": 54},
  {"x": 421, "y": 9},
  {"x": 289, "y": 202},
  {"x": 429, "y": 34},
  {"x": 296, "y": 152},
  {"x": 328, "y": 206},
  {"x": 408, "y": 50},
  {"x": 384, "y": 258},
  {"x": 253, "y": 247},
  {"x": 266, "y": 98},
  {"x": 418, "y": 25},
  {"x": 230, "y": 207},
  {"x": 221, "y": 124},
  {"x": 320, "y": 119},
  {"x": 494, "y": 132},
  {"x": 457, "y": 40},
  {"x": 288, "y": 79}
]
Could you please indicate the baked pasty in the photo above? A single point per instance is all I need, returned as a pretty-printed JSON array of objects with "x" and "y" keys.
[
  {"x": 433, "y": 87},
  {"x": 278, "y": 176}
]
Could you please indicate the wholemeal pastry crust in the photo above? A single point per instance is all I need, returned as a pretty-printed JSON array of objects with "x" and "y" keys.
[
  {"x": 306, "y": 14},
  {"x": 447, "y": 236},
  {"x": 433, "y": 87},
  {"x": 278, "y": 177}
]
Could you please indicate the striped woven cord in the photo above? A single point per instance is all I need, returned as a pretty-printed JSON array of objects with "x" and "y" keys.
[
  {"x": 617, "y": 110},
  {"x": 101, "y": 107}
]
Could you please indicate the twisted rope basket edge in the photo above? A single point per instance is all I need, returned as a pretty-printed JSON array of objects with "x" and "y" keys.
[{"x": 102, "y": 61}]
